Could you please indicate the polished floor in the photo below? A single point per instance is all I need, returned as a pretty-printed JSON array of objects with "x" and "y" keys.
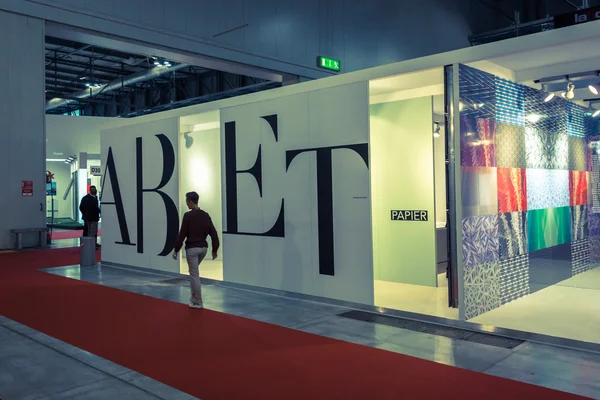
[
  {"x": 62, "y": 371},
  {"x": 569, "y": 309},
  {"x": 562, "y": 369},
  {"x": 414, "y": 298}
]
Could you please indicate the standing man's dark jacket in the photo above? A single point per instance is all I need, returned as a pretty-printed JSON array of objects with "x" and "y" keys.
[
  {"x": 196, "y": 226},
  {"x": 90, "y": 211}
]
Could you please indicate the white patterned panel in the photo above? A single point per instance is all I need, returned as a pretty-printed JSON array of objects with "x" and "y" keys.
[
  {"x": 580, "y": 256},
  {"x": 514, "y": 278},
  {"x": 547, "y": 189},
  {"x": 482, "y": 289}
]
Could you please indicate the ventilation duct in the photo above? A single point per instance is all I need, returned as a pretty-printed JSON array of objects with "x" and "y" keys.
[{"x": 114, "y": 85}]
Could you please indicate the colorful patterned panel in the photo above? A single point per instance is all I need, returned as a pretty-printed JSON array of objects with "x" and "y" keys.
[
  {"x": 478, "y": 142},
  {"x": 579, "y": 223},
  {"x": 546, "y": 151},
  {"x": 578, "y": 188},
  {"x": 580, "y": 256},
  {"x": 514, "y": 278},
  {"x": 482, "y": 289},
  {"x": 577, "y": 153},
  {"x": 512, "y": 232},
  {"x": 480, "y": 240},
  {"x": 547, "y": 188},
  {"x": 510, "y": 146},
  {"x": 479, "y": 191},
  {"x": 548, "y": 227},
  {"x": 512, "y": 190}
]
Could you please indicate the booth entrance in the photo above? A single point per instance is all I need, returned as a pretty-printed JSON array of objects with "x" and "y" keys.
[
  {"x": 408, "y": 188},
  {"x": 200, "y": 166}
]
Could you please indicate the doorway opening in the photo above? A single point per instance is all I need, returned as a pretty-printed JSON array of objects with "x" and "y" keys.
[{"x": 408, "y": 190}]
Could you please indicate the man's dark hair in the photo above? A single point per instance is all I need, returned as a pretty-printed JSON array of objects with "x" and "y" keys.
[
  {"x": 193, "y": 197},
  {"x": 92, "y": 187}
]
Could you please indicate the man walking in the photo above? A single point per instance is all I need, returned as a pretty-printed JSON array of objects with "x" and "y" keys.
[
  {"x": 195, "y": 227},
  {"x": 90, "y": 213}
]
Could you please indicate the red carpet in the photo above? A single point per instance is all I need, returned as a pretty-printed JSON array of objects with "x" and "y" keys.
[
  {"x": 70, "y": 234},
  {"x": 218, "y": 356}
]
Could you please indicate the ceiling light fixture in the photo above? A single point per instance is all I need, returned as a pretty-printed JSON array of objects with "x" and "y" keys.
[
  {"x": 549, "y": 97},
  {"x": 593, "y": 89},
  {"x": 570, "y": 93},
  {"x": 596, "y": 113}
]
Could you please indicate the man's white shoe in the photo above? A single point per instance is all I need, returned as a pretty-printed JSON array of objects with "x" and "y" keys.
[{"x": 199, "y": 306}]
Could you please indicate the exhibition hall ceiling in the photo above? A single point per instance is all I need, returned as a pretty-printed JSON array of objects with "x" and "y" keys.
[{"x": 84, "y": 79}]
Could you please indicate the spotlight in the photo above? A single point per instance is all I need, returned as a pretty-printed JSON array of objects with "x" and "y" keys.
[
  {"x": 570, "y": 94},
  {"x": 593, "y": 89},
  {"x": 549, "y": 97},
  {"x": 156, "y": 62},
  {"x": 595, "y": 114}
]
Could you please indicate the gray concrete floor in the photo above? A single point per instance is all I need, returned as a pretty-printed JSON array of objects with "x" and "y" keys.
[{"x": 61, "y": 371}]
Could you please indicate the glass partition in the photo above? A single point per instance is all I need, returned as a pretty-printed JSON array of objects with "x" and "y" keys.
[{"x": 528, "y": 172}]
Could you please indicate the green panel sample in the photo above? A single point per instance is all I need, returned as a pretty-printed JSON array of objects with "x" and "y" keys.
[{"x": 548, "y": 227}]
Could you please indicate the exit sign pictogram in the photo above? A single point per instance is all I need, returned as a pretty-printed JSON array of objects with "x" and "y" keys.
[{"x": 328, "y": 63}]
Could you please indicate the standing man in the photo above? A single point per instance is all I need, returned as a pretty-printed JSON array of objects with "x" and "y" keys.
[
  {"x": 195, "y": 227},
  {"x": 90, "y": 213}
]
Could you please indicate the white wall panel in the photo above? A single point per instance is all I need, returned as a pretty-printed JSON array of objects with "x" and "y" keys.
[
  {"x": 22, "y": 129},
  {"x": 334, "y": 117},
  {"x": 122, "y": 142}
]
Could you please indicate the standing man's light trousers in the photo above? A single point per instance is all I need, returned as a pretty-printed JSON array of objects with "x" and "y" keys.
[{"x": 194, "y": 257}]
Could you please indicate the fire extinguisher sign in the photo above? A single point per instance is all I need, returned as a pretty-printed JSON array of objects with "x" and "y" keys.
[{"x": 26, "y": 188}]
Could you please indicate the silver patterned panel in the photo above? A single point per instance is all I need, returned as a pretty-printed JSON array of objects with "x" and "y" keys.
[
  {"x": 482, "y": 289},
  {"x": 580, "y": 256},
  {"x": 514, "y": 278}
]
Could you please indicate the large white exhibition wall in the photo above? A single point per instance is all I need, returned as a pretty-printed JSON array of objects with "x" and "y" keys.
[
  {"x": 140, "y": 217},
  {"x": 402, "y": 181},
  {"x": 296, "y": 194}
]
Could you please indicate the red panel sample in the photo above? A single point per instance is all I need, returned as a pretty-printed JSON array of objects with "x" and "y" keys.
[
  {"x": 578, "y": 188},
  {"x": 512, "y": 190}
]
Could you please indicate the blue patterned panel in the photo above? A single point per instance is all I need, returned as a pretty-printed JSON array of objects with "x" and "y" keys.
[
  {"x": 576, "y": 116},
  {"x": 512, "y": 232},
  {"x": 510, "y": 101},
  {"x": 546, "y": 151},
  {"x": 594, "y": 249},
  {"x": 545, "y": 117},
  {"x": 579, "y": 223},
  {"x": 514, "y": 278},
  {"x": 480, "y": 240},
  {"x": 477, "y": 93},
  {"x": 547, "y": 189}
]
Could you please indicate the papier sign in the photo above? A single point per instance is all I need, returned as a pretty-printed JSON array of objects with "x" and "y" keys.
[{"x": 409, "y": 215}]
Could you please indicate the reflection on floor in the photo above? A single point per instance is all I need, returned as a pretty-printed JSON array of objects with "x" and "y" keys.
[
  {"x": 212, "y": 270},
  {"x": 570, "y": 309},
  {"x": 415, "y": 298}
]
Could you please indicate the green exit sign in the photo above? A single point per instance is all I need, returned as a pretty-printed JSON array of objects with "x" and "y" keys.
[{"x": 328, "y": 63}]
